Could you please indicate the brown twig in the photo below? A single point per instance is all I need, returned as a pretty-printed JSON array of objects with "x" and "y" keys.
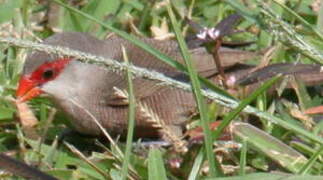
[{"x": 217, "y": 61}]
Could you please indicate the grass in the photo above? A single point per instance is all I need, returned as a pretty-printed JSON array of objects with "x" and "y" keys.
[
  {"x": 215, "y": 169},
  {"x": 131, "y": 121},
  {"x": 297, "y": 39}
]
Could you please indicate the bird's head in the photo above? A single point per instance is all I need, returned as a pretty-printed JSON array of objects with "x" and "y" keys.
[
  {"x": 49, "y": 73},
  {"x": 30, "y": 84}
]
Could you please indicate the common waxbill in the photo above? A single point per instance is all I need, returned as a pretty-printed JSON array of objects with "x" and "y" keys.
[{"x": 85, "y": 91}]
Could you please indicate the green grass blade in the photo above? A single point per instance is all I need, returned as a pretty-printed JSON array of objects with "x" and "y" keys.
[
  {"x": 156, "y": 167},
  {"x": 131, "y": 119},
  {"x": 243, "y": 158},
  {"x": 214, "y": 171},
  {"x": 228, "y": 118},
  {"x": 299, "y": 18},
  {"x": 311, "y": 161},
  {"x": 288, "y": 35},
  {"x": 268, "y": 145},
  {"x": 319, "y": 24},
  {"x": 197, "y": 165},
  {"x": 239, "y": 7}
]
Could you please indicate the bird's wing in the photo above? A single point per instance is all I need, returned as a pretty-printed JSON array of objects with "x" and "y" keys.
[
  {"x": 202, "y": 60},
  {"x": 143, "y": 88},
  {"x": 157, "y": 106}
]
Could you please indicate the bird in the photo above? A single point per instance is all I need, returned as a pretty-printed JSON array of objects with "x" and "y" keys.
[{"x": 85, "y": 92}]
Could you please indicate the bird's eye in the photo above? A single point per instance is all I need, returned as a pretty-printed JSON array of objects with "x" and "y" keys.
[{"x": 47, "y": 74}]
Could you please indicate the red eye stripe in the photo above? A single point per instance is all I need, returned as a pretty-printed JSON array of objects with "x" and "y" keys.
[{"x": 56, "y": 66}]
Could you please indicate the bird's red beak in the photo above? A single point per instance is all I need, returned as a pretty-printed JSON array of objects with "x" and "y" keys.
[{"x": 27, "y": 89}]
